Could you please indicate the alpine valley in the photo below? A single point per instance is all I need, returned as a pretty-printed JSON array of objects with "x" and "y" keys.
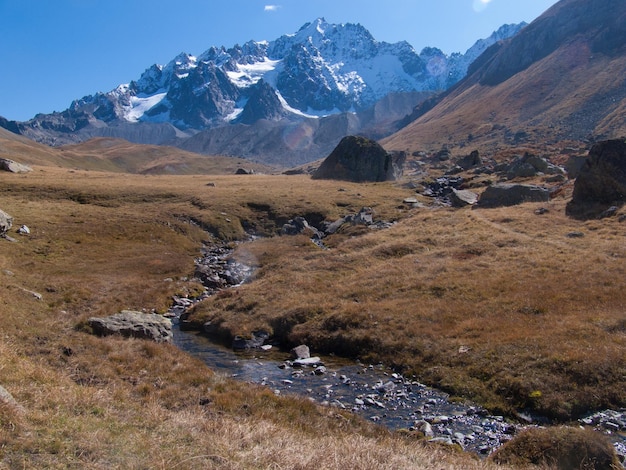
[{"x": 284, "y": 102}]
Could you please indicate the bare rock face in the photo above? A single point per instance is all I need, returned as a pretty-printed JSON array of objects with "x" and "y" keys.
[
  {"x": 134, "y": 324},
  {"x": 601, "y": 182},
  {"x": 360, "y": 160}
]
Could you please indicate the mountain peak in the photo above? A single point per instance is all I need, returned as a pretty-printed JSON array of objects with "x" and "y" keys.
[
  {"x": 320, "y": 70},
  {"x": 318, "y": 26}
]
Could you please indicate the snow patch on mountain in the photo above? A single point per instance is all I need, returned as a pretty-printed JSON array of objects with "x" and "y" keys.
[
  {"x": 249, "y": 74},
  {"x": 140, "y": 104}
]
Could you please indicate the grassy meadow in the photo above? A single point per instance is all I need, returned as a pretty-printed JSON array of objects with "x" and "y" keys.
[{"x": 497, "y": 305}]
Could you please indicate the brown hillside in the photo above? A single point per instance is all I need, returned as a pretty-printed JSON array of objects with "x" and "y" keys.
[
  {"x": 117, "y": 155},
  {"x": 560, "y": 79},
  {"x": 120, "y": 155}
]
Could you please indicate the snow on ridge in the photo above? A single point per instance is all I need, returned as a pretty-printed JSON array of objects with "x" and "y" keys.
[
  {"x": 140, "y": 104},
  {"x": 289, "y": 108},
  {"x": 249, "y": 74}
]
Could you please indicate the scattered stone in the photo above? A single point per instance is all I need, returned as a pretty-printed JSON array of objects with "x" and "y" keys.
[
  {"x": 541, "y": 211},
  {"x": 442, "y": 187},
  {"x": 255, "y": 341},
  {"x": 300, "y": 225},
  {"x": 309, "y": 361},
  {"x": 499, "y": 195},
  {"x": 300, "y": 352},
  {"x": 243, "y": 171},
  {"x": 470, "y": 161},
  {"x": 6, "y": 222},
  {"x": 610, "y": 212},
  {"x": 134, "y": 324},
  {"x": 13, "y": 167},
  {"x": 320, "y": 370},
  {"x": 424, "y": 427},
  {"x": 531, "y": 165},
  {"x": 463, "y": 197},
  {"x": 23, "y": 230},
  {"x": 575, "y": 235},
  {"x": 217, "y": 270},
  {"x": 7, "y": 399}
]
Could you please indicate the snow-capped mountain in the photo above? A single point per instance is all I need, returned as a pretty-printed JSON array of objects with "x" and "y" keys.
[{"x": 323, "y": 69}]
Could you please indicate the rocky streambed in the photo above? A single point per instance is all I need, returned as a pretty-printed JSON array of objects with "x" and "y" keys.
[{"x": 373, "y": 391}]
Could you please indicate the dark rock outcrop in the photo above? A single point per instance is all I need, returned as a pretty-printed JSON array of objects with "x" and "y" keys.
[
  {"x": 134, "y": 324},
  {"x": 358, "y": 159},
  {"x": 500, "y": 195},
  {"x": 601, "y": 181},
  {"x": 262, "y": 104}
]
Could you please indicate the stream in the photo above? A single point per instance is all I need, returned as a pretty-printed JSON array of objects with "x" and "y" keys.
[{"x": 373, "y": 391}]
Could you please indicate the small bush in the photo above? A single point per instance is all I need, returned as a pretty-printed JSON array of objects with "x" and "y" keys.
[{"x": 563, "y": 448}]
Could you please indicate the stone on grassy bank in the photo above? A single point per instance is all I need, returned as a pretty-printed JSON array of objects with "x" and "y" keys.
[
  {"x": 13, "y": 166},
  {"x": 500, "y": 195},
  {"x": 6, "y": 222},
  {"x": 134, "y": 324}
]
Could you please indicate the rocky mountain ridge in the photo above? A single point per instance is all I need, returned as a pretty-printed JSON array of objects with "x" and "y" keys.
[{"x": 323, "y": 70}]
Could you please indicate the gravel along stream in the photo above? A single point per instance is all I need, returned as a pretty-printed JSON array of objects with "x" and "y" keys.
[{"x": 372, "y": 391}]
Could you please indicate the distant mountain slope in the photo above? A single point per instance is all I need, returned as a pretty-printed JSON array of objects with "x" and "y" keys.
[
  {"x": 563, "y": 77},
  {"x": 116, "y": 155},
  {"x": 322, "y": 70}
]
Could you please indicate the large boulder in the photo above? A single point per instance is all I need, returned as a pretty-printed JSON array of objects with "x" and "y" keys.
[
  {"x": 601, "y": 181},
  {"x": 360, "y": 160},
  {"x": 134, "y": 324},
  {"x": 6, "y": 222},
  {"x": 13, "y": 167},
  {"x": 463, "y": 197},
  {"x": 500, "y": 195},
  {"x": 531, "y": 165}
]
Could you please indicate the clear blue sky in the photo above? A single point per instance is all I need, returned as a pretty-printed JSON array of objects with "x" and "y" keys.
[{"x": 55, "y": 51}]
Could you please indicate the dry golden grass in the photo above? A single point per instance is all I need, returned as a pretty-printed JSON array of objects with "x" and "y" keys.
[
  {"x": 104, "y": 242},
  {"x": 538, "y": 316}
]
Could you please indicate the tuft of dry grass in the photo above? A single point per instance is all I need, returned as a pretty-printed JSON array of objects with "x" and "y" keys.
[{"x": 561, "y": 448}]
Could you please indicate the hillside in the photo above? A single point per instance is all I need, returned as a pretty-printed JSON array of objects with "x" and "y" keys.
[
  {"x": 107, "y": 154},
  {"x": 557, "y": 82},
  {"x": 450, "y": 296}
]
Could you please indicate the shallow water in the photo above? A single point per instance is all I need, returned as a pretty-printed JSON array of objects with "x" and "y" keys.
[{"x": 372, "y": 391}]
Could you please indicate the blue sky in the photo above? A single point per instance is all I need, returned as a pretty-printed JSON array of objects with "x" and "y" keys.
[{"x": 55, "y": 51}]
